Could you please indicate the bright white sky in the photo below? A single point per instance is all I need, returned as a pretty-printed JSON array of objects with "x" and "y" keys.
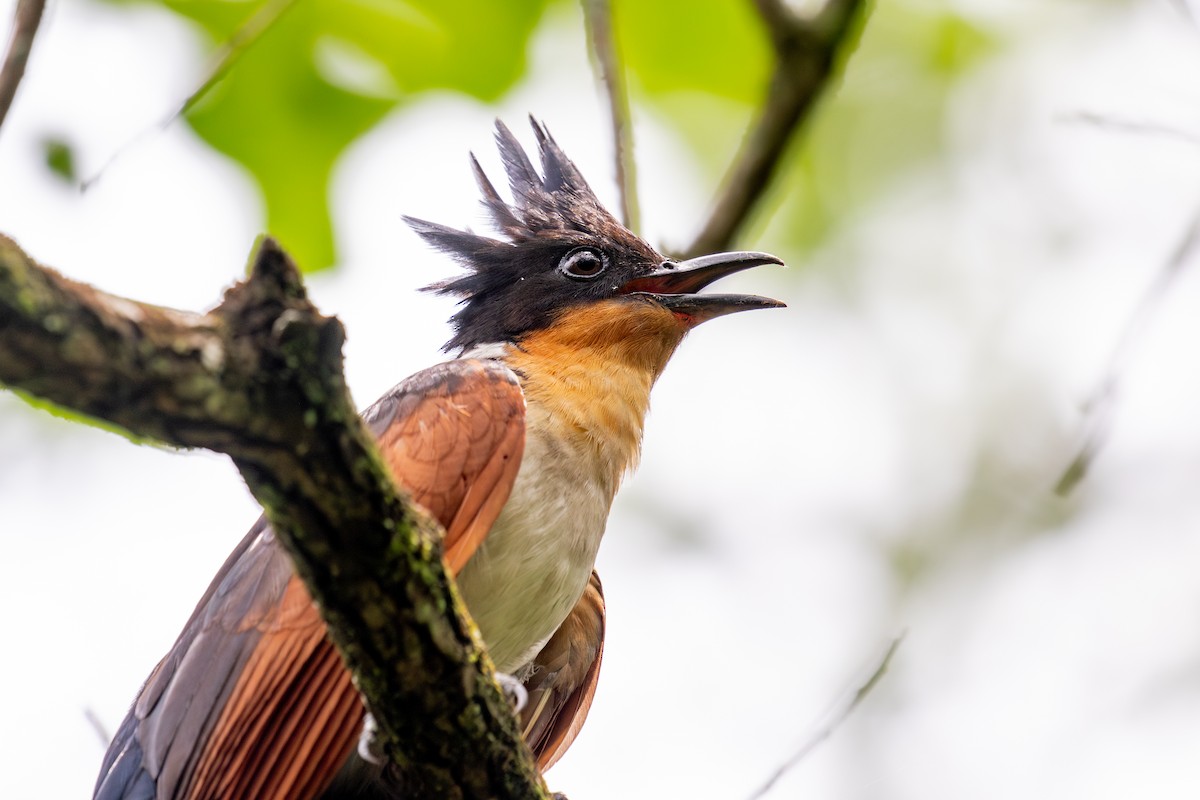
[{"x": 942, "y": 347}]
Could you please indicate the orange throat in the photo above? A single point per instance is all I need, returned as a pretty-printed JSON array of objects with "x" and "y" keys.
[{"x": 588, "y": 376}]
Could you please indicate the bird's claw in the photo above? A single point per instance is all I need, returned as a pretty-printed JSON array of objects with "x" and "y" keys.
[
  {"x": 514, "y": 691},
  {"x": 368, "y": 743}
]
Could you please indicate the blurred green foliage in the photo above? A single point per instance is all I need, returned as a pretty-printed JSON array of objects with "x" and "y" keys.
[
  {"x": 59, "y": 157},
  {"x": 712, "y": 47},
  {"x": 887, "y": 118},
  {"x": 705, "y": 66},
  {"x": 325, "y": 71}
]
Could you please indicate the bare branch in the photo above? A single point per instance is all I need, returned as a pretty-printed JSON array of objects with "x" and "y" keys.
[
  {"x": 26, "y": 19},
  {"x": 1110, "y": 123},
  {"x": 606, "y": 63},
  {"x": 103, "y": 735},
  {"x": 806, "y": 53},
  {"x": 1098, "y": 407},
  {"x": 833, "y": 718},
  {"x": 260, "y": 378},
  {"x": 780, "y": 20}
]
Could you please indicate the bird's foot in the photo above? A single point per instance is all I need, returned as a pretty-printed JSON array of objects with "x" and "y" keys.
[
  {"x": 369, "y": 748},
  {"x": 514, "y": 691}
]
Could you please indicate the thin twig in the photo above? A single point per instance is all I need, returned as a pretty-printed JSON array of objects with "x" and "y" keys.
[
  {"x": 606, "y": 63},
  {"x": 223, "y": 60},
  {"x": 233, "y": 49},
  {"x": 26, "y": 19},
  {"x": 1111, "y": 123},
  {"x": 806, "y": 51},
  {"x": 833, "y": 719},
  {"x": 98, "y": 726},
  {"x": 1099, "y": 406}
]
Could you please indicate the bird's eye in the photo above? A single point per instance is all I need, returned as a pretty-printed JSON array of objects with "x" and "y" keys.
[{"x": 583, "y": 263}]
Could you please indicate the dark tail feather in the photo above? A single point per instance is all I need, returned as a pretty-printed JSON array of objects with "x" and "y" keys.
[{"x": 123, "y": 776}]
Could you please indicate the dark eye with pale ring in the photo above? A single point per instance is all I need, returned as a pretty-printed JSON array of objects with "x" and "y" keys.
[{"x": 583, "y": 264}]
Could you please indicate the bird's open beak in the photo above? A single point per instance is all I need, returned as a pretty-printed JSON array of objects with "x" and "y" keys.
[{"x": 676, "y": 285}]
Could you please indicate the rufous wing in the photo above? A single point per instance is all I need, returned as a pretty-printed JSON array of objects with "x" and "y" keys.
[
  {"x": 563, "y": 681},
  {"x": 253, "y": 700},
  {"x": 455, "y": 443}
]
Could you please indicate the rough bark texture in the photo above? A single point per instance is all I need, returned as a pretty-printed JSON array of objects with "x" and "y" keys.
[{"x": 260, "y": 378}]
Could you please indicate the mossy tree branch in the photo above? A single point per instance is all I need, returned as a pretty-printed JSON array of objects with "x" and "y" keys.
[{"x": 260, "y": 378}]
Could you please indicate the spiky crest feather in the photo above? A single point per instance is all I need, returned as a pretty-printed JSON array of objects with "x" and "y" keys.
[{"x": 550, "y": 213}]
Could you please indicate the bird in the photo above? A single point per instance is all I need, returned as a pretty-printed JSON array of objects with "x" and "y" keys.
[{"x": 516, "y": 444}]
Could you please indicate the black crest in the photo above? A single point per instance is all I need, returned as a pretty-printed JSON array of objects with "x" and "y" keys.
[{"x": 513, "y": 284}]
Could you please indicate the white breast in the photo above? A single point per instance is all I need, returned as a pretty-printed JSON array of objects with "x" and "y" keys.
[
  {"x": 586, "y": 399},
  {"x": 532, "y": 568}
]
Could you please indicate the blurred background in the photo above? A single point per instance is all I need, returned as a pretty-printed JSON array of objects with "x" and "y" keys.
[{"x": 973, "y": 223}]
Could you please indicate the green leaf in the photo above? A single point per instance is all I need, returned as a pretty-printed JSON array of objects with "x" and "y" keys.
[
  {"x": 277, "y": 116},
  {"x": 716, "y": 47},
  {"x": 326, "y": 71},
  {"x": 477, "y": 48},
  {"x": 59, "y": 157}
]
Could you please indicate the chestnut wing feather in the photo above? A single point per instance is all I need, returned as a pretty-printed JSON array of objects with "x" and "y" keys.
[
  {"x": 456, "y": 445},
  {"x": 564, "y": 678},
  {"x": 253, "y": 700}
]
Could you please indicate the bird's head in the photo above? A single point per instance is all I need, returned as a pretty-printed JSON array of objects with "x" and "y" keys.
[{"x": 567, "y": 266}]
